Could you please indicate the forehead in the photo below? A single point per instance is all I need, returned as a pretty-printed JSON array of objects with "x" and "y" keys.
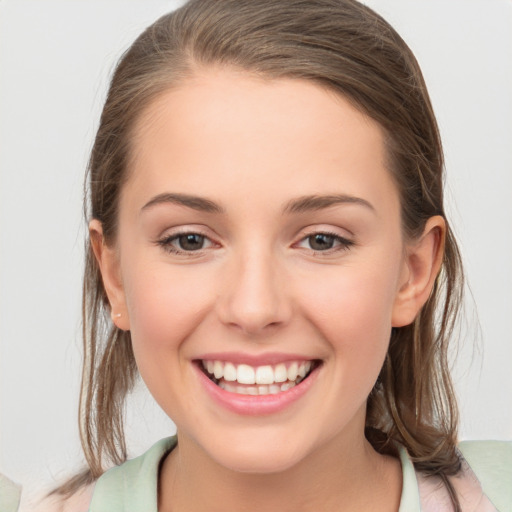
[{"x": 222, "y": 128}]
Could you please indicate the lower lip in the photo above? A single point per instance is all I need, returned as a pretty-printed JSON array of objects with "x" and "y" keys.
[{"x": 256, "y": 405}]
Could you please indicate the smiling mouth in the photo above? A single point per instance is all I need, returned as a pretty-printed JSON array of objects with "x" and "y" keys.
[{"x": 260, "y": 380}]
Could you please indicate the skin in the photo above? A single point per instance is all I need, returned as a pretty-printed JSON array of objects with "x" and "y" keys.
[{"x": 258, "y": 286}]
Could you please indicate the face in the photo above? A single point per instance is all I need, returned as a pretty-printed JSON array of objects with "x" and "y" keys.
[{"x": 260, "y": 259}]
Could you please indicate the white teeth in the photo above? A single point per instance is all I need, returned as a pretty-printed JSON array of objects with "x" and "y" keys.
[
  {"x": 293, "y": 371},
  {"x": 280, "y": 373},
  {"x": 218, "y": 369},
  {"x": 229, "y": 372},
  {"x": 230, "y": 388},
  {"x": 273, "y": 389},
  {"x": 269, "y": 379},
  {"x": 245, "y": 374},
  {"x": 264, "y": 375},
  {"x": 247, "y": 390}
]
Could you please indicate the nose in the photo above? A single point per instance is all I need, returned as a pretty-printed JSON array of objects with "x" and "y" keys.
[{"x": 254, "y": 296}]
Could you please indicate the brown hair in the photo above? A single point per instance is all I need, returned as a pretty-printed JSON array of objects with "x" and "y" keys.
[{"x": 348, "y": 48}]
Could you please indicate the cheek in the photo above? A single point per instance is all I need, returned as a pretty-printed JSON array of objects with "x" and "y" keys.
[
  {"x": 352, "y": 308},
  {"x": 165, "y": 304}
]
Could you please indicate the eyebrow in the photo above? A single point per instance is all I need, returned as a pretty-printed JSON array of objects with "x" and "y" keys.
[
  {"x": 315, "y": 202},
  {"x": 196, "y": 203},
  {"x": 299, "y": 205}
]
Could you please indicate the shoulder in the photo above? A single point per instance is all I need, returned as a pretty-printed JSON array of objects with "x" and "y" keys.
[
  {"x": 491, "y": 463},
  {"x": 483, "y": 484},
  {"x": 132, "y": 486},
  {"x": 142, "y": 468},
  {"x": 77, "y": 502},
  {"x": 490, "y": 453},
  {"x": 9, "y": 494}
]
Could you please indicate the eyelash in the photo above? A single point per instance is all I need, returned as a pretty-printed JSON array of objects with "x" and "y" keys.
[
  {"x": 167, "y": 243},
  {"x": 344, "y": 244}
]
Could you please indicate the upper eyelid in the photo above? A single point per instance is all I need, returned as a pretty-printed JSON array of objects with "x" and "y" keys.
[
  {"x": 345, "y": 242},
  {"x": 305, "y": 232},
  {"x": 328, "y": 227},
  {"x": 173, "y": 236},
  {"x": 343, "y": 239},
  {"x": 187, "y": 229},
  {"x": 166, "y": 243},
  {"x": 309, "y": 232},
  {"x": 332, "y": 231},
  {"x": 169, "y": 235}
]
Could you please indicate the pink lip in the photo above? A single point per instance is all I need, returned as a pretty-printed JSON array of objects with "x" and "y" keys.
[
  {"x": 258, "y": 405},
  {"x": 271, "y": 358}
]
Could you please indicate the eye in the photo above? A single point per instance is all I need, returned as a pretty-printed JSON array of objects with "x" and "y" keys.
[
  {"x": 190, "y": 241},
  {"x": 322, "y": 242},
  {"x": 185, "y": 243}
]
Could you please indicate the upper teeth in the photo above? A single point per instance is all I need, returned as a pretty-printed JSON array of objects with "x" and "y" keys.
[{"x": 267, "y": 374}]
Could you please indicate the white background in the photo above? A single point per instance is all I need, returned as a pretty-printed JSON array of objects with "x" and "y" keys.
[{"x": 55, "y": 59}]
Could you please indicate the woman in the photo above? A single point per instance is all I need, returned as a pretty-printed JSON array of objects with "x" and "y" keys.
[{"x": 268, "y": 237}]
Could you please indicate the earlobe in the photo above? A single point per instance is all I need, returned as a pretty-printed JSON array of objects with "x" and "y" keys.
[
  {"x": 422, "y": 263},
  {"x": 108, "y": 262}
]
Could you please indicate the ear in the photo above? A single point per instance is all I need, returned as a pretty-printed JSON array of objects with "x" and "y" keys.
[
  {"x": 108, "y": 262},
  {"x": 423, "y": 259}
]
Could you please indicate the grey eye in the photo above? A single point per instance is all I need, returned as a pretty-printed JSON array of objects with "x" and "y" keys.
[
  {"x": 321, "y": 241},
  {"x": 190, "y": 242}
]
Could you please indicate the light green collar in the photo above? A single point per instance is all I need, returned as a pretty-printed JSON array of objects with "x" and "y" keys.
[
  {"x": 133, "y": 486},
  {"x": 410, "y": 499},
  {"x": 9, "y": 495}
]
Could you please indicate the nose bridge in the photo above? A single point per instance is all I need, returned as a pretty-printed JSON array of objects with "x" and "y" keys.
[{"x": 254, "y": 297}]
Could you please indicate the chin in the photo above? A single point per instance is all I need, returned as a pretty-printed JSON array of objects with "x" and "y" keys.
[{"x": 259, "y": 458}]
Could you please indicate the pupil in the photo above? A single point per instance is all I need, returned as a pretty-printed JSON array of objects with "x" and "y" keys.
[
  {"x": 321, "y": 242},
  {"x": 191, "y": 242}
]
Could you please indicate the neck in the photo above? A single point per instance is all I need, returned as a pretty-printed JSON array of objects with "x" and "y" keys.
[{"x": 341, "y": 476}]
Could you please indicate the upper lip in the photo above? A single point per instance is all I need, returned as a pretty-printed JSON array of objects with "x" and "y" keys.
[{"x": 268, "y": 358}]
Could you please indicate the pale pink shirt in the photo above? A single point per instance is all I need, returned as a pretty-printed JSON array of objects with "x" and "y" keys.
[{"x": 420, "y": 493}]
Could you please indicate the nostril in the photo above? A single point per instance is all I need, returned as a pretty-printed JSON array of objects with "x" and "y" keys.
[{"x": 256, "y": 328}]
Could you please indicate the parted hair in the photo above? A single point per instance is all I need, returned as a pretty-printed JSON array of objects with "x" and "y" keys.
[{"x": 346, "y": 47}]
